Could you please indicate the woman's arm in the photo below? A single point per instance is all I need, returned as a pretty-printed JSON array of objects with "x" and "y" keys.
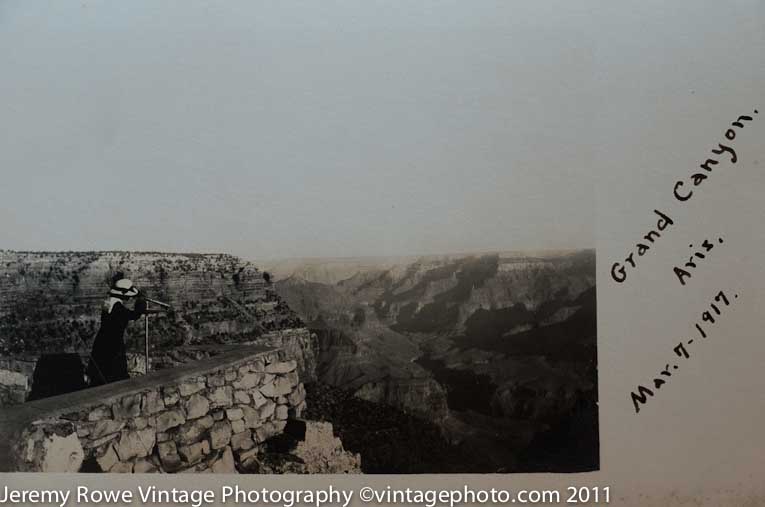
[{"x": 137, "y": 312}]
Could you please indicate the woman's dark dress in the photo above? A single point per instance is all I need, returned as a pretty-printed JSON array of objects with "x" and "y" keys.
[{"x": 108, "y": 361}]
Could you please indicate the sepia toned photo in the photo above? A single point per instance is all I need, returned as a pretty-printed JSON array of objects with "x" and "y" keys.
[{"x": 265, "y": 245}]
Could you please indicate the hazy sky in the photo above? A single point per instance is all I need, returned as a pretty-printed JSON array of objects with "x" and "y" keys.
[{"x": 286, "y": 129}]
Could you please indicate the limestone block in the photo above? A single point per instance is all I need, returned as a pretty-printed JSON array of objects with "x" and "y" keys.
[
  {"x": 127, "y": 407},
  {"x": 281, "y": 400},
  {"x": 248, "y": 381},
  {"x": 189, "y": 388},
  {"x": 170, "y": 396},
  {"x": 277, "y": 387},
  {"x": 220, "y": 434},
  {"x": 282, "y": 412},
  {"x": 266, "y": 411},
  {"x": 238, "y": 426},
  {"x": 139, "y": 423},
  {"x": 152, "y": 403},
  {"x": 281, "y": 367},
  {"x": 234, "y": 413},
  {"x": 122, "y": 468},
  {"x": 144, "y": 466},
  {"x": 193, "y": 453},
  {"x": 168, "y": 456},
  {"x": 257, "y": 398},
  {"x": 170, "y": 419},
  {"x": 136, "y": 444},
  {"x": 258, "y": 365},
  {"x": 241, "y": 397},
  {"x": 293, "y": 378},
  {"x": 230, "y": 375},
  {"x": 166, "y": 448},
  {"x": 244, "y": 370},
  {"x": 108, "y": 460},
  {"x": 269, "y": 430},
  {"x": 163, "y": 436},
  {"x": 221, "y": 397},
  {"x": 106, "y": 427},
  {"x": 242, "y": 440},
  {"x": 196, "y": 406},
  {"x": 251, "y": 417},
  {"x": 219, "y": 415},
  {"x": 193, "y": 431},
  {"x": 98, "y": 413},
  {"x": 225, "y": 464}
]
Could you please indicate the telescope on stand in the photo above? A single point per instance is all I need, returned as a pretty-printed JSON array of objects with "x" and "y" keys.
[
  {"x": 160, "y": 303},
  {"x": 146, "y": 318}
]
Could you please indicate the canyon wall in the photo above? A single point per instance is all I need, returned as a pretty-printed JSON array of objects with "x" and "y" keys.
[
  {"x": 499, "y": 350},
  {"x": 387, "y": 331}
]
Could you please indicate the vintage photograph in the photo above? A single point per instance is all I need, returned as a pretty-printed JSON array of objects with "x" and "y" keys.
[{"x": 267, "y": 239}]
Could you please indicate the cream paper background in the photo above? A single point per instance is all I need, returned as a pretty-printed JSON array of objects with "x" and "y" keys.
[{"x": 699, "y": 441}]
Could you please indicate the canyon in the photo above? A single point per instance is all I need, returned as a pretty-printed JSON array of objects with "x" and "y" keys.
[{"x": 498, "y": 350}]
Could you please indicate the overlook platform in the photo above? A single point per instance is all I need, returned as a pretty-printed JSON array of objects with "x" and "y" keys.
[{"x": 206, "y": 415}]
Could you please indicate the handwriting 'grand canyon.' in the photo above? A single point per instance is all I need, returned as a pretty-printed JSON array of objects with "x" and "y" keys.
[{"x": 466, "y": 363}]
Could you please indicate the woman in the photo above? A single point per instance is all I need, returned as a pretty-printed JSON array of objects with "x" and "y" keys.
[{"x": 108, "y": 361}]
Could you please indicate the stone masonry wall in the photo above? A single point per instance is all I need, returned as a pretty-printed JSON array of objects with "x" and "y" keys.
[
  {"x": 207, "y": 416},
  {"x": 298, "y": 343}
]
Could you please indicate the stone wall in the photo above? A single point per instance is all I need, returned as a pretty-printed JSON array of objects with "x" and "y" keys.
[
  {"x": 298, "y": 343},
  {"x": 212, "y": 415}
]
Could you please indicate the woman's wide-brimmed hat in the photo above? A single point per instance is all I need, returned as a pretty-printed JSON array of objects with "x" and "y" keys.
[{"x": 123, "y": 288}]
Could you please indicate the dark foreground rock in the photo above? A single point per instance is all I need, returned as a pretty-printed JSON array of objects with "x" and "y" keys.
[{"x": 388, "y": 440}]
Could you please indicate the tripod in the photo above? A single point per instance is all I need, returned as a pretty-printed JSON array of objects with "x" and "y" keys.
[{"x": 146, "y": 319}]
